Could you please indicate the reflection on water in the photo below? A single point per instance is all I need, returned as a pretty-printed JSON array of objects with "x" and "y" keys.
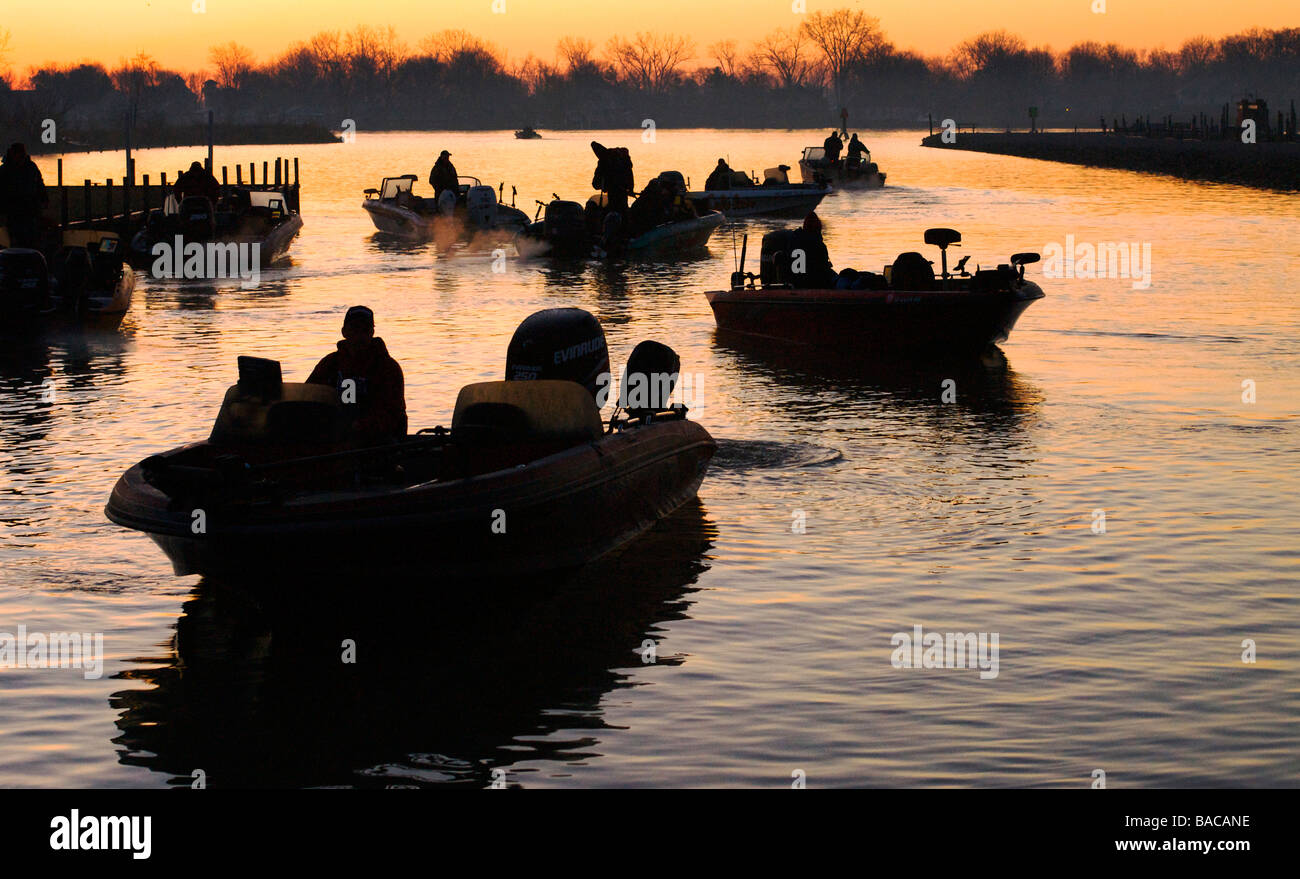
[
  {"x": 1120, "y": 648},
  {"x": 450, "y": 682}
]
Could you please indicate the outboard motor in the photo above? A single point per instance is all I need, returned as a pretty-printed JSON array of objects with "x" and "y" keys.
[
  {"x": 649, "y": 379},
  {"x": 24, "y": 281},
  {"x": 912, "y": 271},
  {"x": 481, "y": 204},
  {"x": 74, "y": 271},
  {"x": 565, "y": 228},
  {"x": 198, "y": 220},
  {"x": 567, "y": 344},
  {"x": 108, "y": 261}
]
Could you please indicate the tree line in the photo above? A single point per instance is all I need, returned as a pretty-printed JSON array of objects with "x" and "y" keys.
[{"x": 792, "y": 77}]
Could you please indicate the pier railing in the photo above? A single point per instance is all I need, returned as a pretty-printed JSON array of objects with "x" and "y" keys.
[{"x": 121, "y": 205}]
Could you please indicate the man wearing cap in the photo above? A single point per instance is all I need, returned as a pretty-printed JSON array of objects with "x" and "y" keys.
[
  {"x": 443, "y": 176},
  {"x": 367, "y": 378}
]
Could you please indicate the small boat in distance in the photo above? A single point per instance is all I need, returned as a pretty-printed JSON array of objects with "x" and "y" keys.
[
  {"x": 905, "y": 309},
  {"x": 396, "y": 210},
  {"x": 527, "y": 134},
  {"x": 529, "y": 478},
  {"x": 775, "y": 197},
  {"x": 843, "y": 173}
]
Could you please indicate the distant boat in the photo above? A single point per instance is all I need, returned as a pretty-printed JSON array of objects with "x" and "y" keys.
[
  {"x": 527, "y": 134},
  {"x": 903, "y": 310},
  {"x": 814, "y": 167},
  {"x": 776, "y": 197}
]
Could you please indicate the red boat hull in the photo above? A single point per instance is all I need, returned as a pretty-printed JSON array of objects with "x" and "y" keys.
[{"x": 875, "y": 320}]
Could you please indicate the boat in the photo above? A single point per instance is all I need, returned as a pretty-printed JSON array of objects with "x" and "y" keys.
[
  {"x": 775, "y": 197},
  {"x": 88, "y": 284},
  {"x": 903, "y": 309},
  {"x": 527, "y": 134},
  {"x": 568, "y": 229},
  {"x": 396, "y": 210},
  {"x": 528, "y": 478},
  {"x": 844, "y": 173},
  {"x": 260, "y": 221}
]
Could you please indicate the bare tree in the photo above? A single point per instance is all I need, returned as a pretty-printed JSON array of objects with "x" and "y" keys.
[
  {"x": 651, "y": 61},
  {"x": 1196, "y": 54},
  {"x": 577, "y": 53},
  {"x": 727, "y": 54},
  {"x": 378, "y": 49},
  {"x": 844, "y": 38},
  {"x": 990, "y": 52},
  {"x": 784, "y": 53},
  {"x": 5, "y": 38},
  {"x": 233, "y": 62}
]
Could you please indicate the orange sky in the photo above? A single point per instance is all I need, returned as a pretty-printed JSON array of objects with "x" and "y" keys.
[{"x": 178, "y": 37}]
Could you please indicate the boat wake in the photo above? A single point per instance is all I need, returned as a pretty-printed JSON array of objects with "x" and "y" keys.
[{"x": 742, "y": 456}]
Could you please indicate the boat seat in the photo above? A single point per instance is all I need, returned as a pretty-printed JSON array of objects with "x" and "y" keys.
[
  {"x": 294, "y": 412},
  {"x": 543, "y": 411}
]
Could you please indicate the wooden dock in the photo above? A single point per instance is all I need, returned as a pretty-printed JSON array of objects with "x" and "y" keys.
[{"x": 121, "y": 205}]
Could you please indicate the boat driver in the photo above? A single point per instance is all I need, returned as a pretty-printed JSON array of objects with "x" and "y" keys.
[
  {"x": 367, "y": 378},
  {"x": 443, "y": 176},
  {"x": 197, "y": 181},
  {"x": 857, "y": 150},
  {"x": 720, "y": 178}
]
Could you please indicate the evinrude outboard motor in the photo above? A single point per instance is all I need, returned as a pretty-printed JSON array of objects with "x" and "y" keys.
[
  {"x": 649, "y": 379},
  {"x": 481, "y": 205},
  {"x": 560, "y": 343},
  {"x": 198, "y": 220},
  {"x": 24, "y": 281}
]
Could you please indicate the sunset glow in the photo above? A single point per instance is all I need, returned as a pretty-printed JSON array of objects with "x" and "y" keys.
[{"x": 178, "y": 37}]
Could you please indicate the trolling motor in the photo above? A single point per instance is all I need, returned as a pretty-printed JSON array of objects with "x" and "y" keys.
[
  {"x": 1020, "y": 260},
  {"x": 740, "y": 276},
  {"x": 943, "y": 238}
]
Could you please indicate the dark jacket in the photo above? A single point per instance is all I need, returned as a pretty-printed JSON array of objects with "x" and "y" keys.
[
  {"x": 22, "y": 188},
  {"x": 719, "y": 179},
  {"x": 443, "y": 176},
  {"x": 380, "y": 388},
  {"x": 833, "y": 145},
  {"x": 197, "y": 182}
]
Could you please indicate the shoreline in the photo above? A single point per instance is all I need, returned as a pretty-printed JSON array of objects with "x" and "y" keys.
[{"x": 1273, "y": 165}]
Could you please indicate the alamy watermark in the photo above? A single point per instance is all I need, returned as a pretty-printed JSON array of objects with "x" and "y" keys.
[
  {"x": 1112, "y": 259},
  {"x": 919, "y": 649},
  {"x": 208, "y": 261},
  {"x": 84, "y": 650}
]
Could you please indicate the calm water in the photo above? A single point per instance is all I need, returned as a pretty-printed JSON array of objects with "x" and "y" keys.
[{"x": 1119, "y": 651}]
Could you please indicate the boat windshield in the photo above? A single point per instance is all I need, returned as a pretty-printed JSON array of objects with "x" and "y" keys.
[
  {"x": 468, "y": 181},
  {"x": 814, "y": 154},
  {"x": 265, "y": 199},
  {"x": 393, "y": 185}
]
